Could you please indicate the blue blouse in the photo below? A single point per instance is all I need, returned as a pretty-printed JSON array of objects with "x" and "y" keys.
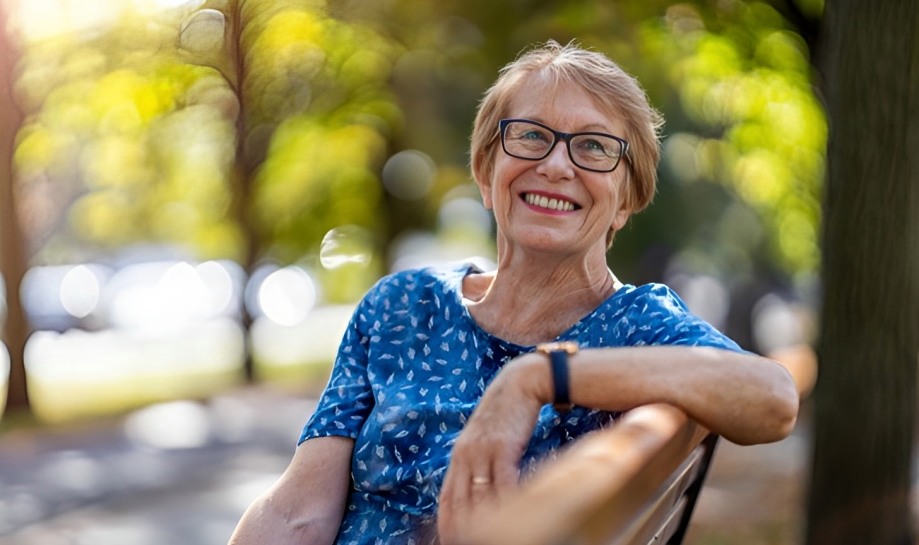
[{"x": 411, "y": 368}]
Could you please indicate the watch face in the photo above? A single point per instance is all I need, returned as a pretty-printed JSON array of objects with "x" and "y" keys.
[{"x": 570, "y": 347}]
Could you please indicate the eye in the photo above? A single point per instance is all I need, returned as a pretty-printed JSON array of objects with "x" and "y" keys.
[
  {"x": 533, "y": 135},
  {"x": 594, "y": 146}
]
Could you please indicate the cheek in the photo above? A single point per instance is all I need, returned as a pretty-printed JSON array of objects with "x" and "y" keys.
[
  {"x": 503, "y": 176},
  {"x": 614, "y": 195}
]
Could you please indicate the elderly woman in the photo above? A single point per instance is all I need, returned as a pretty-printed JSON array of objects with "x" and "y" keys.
[{"x": 485, "y": 372}]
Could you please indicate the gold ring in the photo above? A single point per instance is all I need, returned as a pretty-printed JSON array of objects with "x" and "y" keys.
[{"x": 481, "y": 480}]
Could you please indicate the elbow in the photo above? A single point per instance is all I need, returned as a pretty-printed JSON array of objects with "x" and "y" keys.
[
  {"x": 786, "y": 403},
  {"x": 779, "y": 413},
  {"x": 784, "y": 417}
]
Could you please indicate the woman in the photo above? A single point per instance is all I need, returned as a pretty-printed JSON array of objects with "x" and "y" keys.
[{"x": 564, "y": 150}]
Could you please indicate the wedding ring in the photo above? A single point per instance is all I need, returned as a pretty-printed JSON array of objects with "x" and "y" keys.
[{"x": 481, "y": 480}]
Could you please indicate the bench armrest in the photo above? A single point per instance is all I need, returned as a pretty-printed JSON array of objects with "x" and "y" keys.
[
  {"x": 598, "y": 488},
  {"x": 633, "y": 483}
]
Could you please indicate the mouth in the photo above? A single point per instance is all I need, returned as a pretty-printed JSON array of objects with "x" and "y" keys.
[{"x": 549, "y": 203}]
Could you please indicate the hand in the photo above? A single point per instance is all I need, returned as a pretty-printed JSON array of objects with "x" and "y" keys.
[{"x": 486, "y": 457}]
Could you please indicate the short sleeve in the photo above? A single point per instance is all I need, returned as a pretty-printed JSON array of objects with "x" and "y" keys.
[
  {"x": 666, "y": 320},
  {"x": 347, "y": 399}
]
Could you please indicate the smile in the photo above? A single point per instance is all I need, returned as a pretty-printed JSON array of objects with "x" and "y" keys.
[{"x": 549, "y": 203}]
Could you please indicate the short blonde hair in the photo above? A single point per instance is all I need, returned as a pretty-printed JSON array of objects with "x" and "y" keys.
[{"x": 603, "y": 80}]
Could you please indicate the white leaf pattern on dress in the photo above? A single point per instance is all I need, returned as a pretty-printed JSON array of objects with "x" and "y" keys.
[{"x": 382, "y": 389}]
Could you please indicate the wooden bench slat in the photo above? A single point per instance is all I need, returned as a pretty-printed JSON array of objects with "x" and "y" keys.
[
  {"x": 665, "y": 503},
  {"x": 614, "y": 471},
  {"x": 620, "y": 485}
]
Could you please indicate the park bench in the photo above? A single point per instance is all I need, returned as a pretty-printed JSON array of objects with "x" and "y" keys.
[{"x": 634, "y": 483}]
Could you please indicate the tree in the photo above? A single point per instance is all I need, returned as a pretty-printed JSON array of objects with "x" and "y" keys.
[
  {"x": 866, "y": 397},
  {"x": 12, "y": 245}
]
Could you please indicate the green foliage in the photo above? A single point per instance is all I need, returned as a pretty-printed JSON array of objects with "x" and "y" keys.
[
  {"x": 744, "y": 80},
  {"x": 131, "y": 146},
  {"x": 732, "y": 77},
  {"x": 155, "y": 129},
  {"x": 318, "y": 105}
]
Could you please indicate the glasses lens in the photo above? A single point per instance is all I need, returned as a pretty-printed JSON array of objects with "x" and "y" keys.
[
  {"x": 526, "y": 140},
  {"x": 595, "y": 151}
]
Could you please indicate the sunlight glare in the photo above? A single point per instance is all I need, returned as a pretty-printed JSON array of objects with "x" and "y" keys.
[{"x": 41, "y": 19}]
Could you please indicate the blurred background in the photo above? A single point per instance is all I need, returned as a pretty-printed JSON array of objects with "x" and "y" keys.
[{"x": 196, "y": 193}]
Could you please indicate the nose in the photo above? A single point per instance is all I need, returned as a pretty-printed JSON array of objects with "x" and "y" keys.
[{"x": 558, "y": 163}]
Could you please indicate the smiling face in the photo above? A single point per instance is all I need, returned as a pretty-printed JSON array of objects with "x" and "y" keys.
[{"x": 552, "y": 205}]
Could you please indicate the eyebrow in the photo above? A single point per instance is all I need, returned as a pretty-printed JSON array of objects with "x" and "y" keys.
[{"x": 590, "y": 127}]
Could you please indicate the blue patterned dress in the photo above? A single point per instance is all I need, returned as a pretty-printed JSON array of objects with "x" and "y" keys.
[{"x": 412, "y": 366}]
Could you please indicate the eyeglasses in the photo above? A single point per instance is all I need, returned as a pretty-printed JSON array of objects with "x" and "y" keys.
[{"x": 594, "y": 151}]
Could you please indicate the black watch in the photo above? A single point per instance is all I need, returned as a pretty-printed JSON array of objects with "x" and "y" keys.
[{"x": 559, "y": 353}]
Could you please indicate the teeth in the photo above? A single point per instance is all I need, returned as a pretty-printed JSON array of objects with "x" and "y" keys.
[{"x": 551, "y": 204}]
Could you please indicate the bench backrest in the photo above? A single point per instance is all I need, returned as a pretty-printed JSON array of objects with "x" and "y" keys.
[{"x": 635, "y": 483}]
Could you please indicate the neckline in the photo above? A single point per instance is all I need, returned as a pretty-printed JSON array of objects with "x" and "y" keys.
[{"x": 467, "y": 268}]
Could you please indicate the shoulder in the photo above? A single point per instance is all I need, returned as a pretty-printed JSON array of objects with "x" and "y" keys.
[
  {"x": 410, "y": 287},
  {"x": 655, "y": 314},
  {"x": 651, "y": 299}
]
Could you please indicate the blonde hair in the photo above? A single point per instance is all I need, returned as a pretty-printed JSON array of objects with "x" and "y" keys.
[{"x": 603, "y": 80}]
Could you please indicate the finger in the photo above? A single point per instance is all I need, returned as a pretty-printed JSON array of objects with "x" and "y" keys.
[{"x": 506, "y": 474}]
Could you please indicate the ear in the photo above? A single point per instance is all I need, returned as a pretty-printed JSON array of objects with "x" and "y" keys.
[
  {"x": 483, "y": 182},
  {"x": 621, "y": 217}
]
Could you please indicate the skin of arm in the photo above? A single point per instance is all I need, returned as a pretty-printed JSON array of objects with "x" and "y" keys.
[
  {"x": 307, "y": 503},
  {"x": 743, "y": 397}
]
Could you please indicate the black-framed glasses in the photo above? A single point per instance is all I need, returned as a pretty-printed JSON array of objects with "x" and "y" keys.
[{"x": 531, "y": 140}]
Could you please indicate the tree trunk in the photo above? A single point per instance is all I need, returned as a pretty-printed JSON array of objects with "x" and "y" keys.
[
  {"x": 246, "y": 163},
  {"x": 12, "y": 242},
  {"x": 230, "y": 61},
  {"x": 866, "y": 396}
]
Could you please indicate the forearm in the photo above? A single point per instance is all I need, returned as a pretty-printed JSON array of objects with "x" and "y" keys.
[
  {"x": 267, "y": 523},
  {"x": 307, "y": 504},
  {"x": 745, "y": 398}
]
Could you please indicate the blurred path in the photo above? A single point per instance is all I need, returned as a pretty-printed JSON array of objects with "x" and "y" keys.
[
  {"x": 179, "y": 473},
  {"x": 756, "y": 495},
  {"x": 182, "y": 473}
]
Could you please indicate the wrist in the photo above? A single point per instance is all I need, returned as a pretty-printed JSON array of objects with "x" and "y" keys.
[
  {"x": 534, "y": 377},
  {"x": 558, "y": 354}
]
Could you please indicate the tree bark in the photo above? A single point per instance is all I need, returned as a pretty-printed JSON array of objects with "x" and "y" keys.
[
  {"x": 13, "y": 261},
  {"x": 866, "y": 397},
  {"x": 244, "y": 170}
]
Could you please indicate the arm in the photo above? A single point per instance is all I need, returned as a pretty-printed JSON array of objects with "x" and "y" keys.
[
  {"x": 743, "y": 397},
  {"x": 307, "y": 503}
]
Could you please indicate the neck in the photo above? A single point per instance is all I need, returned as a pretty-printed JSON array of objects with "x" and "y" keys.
[{"x": 529, "y": 302}]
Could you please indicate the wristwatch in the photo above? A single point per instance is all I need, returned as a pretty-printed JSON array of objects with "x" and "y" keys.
[{"x": 559, "y": 353}]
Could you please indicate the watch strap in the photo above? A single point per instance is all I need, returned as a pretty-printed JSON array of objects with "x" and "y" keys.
[{"x": 558, "y": 359}]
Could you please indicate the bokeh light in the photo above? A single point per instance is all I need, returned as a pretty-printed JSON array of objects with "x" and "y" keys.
[
  {"x": 463, "y": 213},
  {"x": 165, "y": 295},
  {"x": 80, "y": 291},
  {"x": 348, "y": 244},
  {"x": 409, "y": 174},
  {"x": 171, "y": 425},
  {"x": 286, "y": 296}
]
